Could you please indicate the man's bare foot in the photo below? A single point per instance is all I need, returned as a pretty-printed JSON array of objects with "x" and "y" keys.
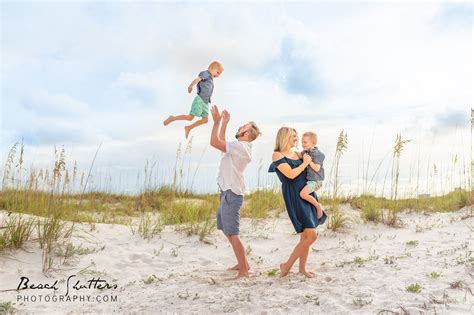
[
  {"x": 307, "y": 274},
  {"x": 236, "y": 267},
  {"x": 186, "y": 131},
  {"x": 168, "y": 120},
  {"x": 283, "y": 270}
]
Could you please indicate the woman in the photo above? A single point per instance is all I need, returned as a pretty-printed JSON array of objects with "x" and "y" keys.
[{"x": 292, "y": 173}]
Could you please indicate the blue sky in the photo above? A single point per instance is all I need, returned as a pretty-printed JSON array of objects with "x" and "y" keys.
[{"x": 78, "y": 74}]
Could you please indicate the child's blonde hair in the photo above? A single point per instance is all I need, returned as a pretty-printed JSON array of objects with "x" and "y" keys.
[
  {"x": 216, "y": 64},
  {"x": 283, "y": 138},
  {"x": 311, "y": 136}
]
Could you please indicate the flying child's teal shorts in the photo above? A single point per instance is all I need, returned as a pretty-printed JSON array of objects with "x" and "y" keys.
[{"x": 199, "y": 107}]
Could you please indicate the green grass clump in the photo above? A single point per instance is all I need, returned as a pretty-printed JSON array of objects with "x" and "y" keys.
[
  {"x": 7, "y": 308},
  {"x": 15, "y": 231},
  {"x": 273, "y": 272},
  {"x": 53, "y": 234},
  {"x": 194, "y": 216},
  {"x": 370, "y": 206},
  {"x": 336, "y": 219},
  {"x": 414, "y": 288},
  {"x": 149, "y": 226},
  {"x": 258, "y": 204},
  {"x": 151, "y": 279},
  {"x": 435, "y": 274},
  {"x": 359, "y": 261}
]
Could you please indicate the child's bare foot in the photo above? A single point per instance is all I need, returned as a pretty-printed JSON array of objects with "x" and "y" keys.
[
  {"x": 319, "y": 212},
  {"x": 168, "y": 120},
  {"x": 236, "y": 267},
  {"x": 283, "y": 270},
  {"x": 307, "y": 274},
  {"x": 186, "y": 131}
]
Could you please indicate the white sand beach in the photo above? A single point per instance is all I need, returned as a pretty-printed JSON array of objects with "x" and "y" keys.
[{"x": 364, "y": 270}]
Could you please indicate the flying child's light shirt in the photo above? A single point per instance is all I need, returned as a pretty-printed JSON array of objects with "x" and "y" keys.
[
  {"x": 233, "y": 163},
  {"x": 205, "y": 87}
]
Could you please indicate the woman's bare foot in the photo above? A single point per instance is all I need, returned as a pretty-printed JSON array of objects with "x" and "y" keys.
[
  {"x": 283, "y": 270},
  {"x": 168, "y": 120},
  {"x": 186, "y": 131},
  {"x": 236, "y": 267},
  {"x": 307, "y": 274},
  {"x": 242, "y": 275}
]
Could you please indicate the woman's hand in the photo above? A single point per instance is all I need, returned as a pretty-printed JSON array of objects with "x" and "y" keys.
[{"x": 306, "y": 159}]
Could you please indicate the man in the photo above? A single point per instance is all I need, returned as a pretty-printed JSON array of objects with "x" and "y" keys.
[{"x": 237, "y": 155}]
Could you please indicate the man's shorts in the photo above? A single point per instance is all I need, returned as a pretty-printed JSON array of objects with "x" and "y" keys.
[
  {"x": 312, "y": 184},
  {"x": 199, "y": 107},
  {"x": 228, "y": 215}
]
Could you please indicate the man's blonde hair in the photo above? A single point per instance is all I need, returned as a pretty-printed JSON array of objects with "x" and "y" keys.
[
  {"x": 216, "y": 64},
  {"x": 312, "y": 136},
  {"x": 283, "y": 138},
  {"x": 254, "y": 131}
]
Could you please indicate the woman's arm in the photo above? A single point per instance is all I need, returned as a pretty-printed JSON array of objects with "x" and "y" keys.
[{"x": 286, "y": 169}]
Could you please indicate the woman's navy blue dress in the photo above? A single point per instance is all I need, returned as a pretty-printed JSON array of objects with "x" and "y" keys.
[{"x": 302, "y": 214}]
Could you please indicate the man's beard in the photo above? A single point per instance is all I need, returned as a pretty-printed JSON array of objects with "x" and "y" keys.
[{"x": 239, "y": 134}]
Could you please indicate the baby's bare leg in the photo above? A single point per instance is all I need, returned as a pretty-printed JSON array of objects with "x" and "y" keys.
[
  {"x": 199, "y": 122},
  {"x": 305, "y": 194},
  {"x": 172, "y": 118}
]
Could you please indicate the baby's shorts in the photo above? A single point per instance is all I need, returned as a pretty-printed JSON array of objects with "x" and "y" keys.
[
  {"x": 199, "y": 107},
  {"x": 312, "y": 184}
]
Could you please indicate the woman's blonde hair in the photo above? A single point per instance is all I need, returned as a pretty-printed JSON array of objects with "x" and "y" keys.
[{"x": 283, "y": 137}]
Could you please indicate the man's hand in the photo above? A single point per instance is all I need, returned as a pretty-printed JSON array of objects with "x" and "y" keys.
[
  {"x": 190, "y": 89},
  {"x": 216, "y": 116},
  {"x": 225, "y": 116}
]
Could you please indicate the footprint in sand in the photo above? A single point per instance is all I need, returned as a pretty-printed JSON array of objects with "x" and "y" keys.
[{"x": 137, "y": 258}]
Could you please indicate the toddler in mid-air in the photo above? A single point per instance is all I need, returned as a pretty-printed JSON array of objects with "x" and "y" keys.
[{"x": 200, "y": 106}]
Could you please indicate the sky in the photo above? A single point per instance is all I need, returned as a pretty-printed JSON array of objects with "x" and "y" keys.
[{"x": 88, "y": 76}]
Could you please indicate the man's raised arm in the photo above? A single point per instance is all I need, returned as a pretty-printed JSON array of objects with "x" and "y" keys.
[
  {"x": 216, "y": 141},
  {"x": 225, "y": 120}
]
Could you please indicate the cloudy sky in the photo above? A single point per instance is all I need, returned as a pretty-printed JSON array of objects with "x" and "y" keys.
[{"x": 82, "y": 74}]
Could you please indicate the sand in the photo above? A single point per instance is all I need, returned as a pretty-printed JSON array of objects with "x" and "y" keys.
[{"x": 364, "y": 270}]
